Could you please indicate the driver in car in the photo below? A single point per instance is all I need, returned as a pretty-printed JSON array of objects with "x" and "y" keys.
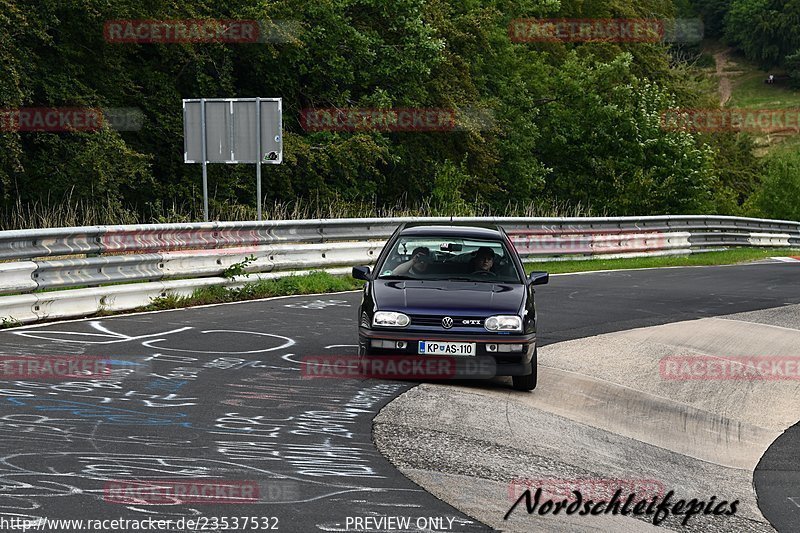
[
  {"x": 417, "y": 265},
  {"x": 483, "y": 261}
]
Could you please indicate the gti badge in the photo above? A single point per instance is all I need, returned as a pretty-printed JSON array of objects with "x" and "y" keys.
[{"x": 447, "y": 322}]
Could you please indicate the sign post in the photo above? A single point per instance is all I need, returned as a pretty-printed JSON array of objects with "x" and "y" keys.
[
  {"x": 233, "y": 130},
  {"x": 258, "y": 164},
  {"x": 205, "y": 159}
]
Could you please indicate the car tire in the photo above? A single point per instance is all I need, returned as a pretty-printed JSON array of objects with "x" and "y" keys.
[{"x": 528, "y": 381}]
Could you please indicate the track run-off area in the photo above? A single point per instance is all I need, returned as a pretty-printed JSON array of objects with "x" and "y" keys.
[{"x": 215, "y": 393}]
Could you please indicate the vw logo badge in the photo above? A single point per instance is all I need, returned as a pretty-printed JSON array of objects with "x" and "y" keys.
[{"x": 447, "y": 322}]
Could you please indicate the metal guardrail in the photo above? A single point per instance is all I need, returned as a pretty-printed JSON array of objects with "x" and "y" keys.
[{"x": 154, "y": 260}]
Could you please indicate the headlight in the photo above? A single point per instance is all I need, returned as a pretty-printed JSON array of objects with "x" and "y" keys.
[
  {"x": 503, "y": 323},
  {"x": 390, "y": 319}
]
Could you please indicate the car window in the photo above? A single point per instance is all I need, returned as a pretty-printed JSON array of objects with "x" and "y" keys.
[{"x": 446, "y": 258}]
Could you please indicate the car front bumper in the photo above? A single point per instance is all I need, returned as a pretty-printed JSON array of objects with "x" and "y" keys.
[{"x": 483, "y": 364}]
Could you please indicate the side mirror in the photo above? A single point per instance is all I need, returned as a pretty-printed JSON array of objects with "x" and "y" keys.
[
  {"x": 538, "y": 278},
  {"x": 361, "y": 272}
]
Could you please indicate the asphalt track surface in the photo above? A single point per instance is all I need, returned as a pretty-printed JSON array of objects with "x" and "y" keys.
[{"x": 216, "y": 393}]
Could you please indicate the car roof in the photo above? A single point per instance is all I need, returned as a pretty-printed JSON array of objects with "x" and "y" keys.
[{"x": 453, "y": 230}]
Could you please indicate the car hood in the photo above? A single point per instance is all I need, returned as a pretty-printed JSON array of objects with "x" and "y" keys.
[{"x": 435, "y": 297}]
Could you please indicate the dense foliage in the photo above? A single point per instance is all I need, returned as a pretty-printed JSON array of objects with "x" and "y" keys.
[
  {"x": 779, "y": 194},
  {"x": 569, "y": 122},
  {"x": 765, "y": 31}
]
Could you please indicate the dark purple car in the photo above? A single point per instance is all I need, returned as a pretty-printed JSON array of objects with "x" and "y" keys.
[{"x": 452, "y": 291}]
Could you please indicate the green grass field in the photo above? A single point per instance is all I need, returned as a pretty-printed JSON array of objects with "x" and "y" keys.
[
  {"x": 750, "y": 91},
  {"x": 727, "y": 257}
]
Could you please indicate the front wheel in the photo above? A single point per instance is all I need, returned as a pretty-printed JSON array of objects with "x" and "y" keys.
[{"x": 528, "y": 381}]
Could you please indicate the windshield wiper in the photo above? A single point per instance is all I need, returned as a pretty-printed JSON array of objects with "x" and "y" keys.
[
  {"x": 460, "y": 279},
  {"x": 395, "y": 276}
]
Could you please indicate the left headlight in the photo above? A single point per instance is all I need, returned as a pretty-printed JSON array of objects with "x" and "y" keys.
[
  {"x": 503, "y": 323},
  {"x": 390, "y": 319}
]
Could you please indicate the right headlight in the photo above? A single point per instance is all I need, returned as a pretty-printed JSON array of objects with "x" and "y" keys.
[
  {"x": 503, "y": 323},
  {"x": 390, "y": 319}
]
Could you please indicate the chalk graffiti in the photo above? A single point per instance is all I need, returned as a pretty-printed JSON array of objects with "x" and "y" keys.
[
  {"x": 108, "y": 415},
  {"x": 315, "y": 460},
  {"x": 318, "y": 304},
  {"x": 237, "y": 363},
  {"x": 186, "y": 403},
  {"x": 288, "y": 342},
  {"x": 111, "y": 337},
  {"x": 107, "y": 337},
  {"x": 61, "y": 473}
]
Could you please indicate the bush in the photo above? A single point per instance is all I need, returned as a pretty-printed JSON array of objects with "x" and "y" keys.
[
  {"x": 779, "y": 194},
  {"x": 448, "y": 186}
]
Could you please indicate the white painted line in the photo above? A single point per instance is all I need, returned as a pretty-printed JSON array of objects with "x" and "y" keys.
[{"x": 141, "y": 313}]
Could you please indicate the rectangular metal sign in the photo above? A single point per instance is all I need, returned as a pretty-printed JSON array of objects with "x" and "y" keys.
[{"x": 235, "y": 130}]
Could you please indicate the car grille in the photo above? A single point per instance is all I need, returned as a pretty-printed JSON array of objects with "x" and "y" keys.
[{"x": 436, "y": 320}]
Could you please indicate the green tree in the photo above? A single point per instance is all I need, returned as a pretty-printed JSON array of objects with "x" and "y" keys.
[
  {"x": 767, "y": 31},
  {"x": 713, "y": 13},
  {"x": 553, "y": 121},
  {"x": 603, "y": 140},
  {"x": 778, "y": 195},
  {"x": 793, "y": 68}
]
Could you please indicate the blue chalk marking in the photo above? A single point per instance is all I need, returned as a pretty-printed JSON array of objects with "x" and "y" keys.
[{"x": 111, "y": 415}]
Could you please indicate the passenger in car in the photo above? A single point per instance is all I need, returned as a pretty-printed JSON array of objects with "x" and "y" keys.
[
  {"x": 417, "y": 265},
  {"x": 484, "y": 260}
]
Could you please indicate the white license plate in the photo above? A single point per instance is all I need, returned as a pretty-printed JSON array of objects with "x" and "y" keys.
[{"x": 446, "y": 348}]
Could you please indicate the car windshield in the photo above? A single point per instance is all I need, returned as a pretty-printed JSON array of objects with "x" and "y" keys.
[{"x": 445, "y": 258}]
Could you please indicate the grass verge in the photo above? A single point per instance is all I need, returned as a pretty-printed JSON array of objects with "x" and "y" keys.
[
  {"x": 726, "y": 257},
  {"x": 322, "y": 282}
]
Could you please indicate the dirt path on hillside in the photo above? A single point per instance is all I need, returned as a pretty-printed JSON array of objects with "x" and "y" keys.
[{"x": 721, "y": 59}]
